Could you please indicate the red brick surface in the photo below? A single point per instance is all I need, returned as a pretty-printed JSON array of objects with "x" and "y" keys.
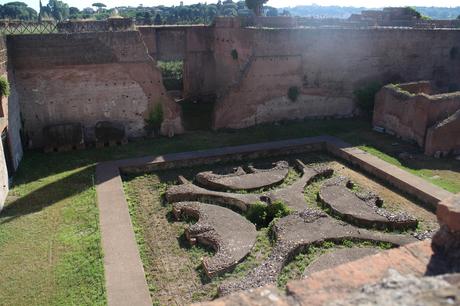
[{"x": 448, "y": 213}]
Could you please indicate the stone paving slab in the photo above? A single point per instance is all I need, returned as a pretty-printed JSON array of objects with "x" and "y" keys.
[{"x": 124, "y": 272}]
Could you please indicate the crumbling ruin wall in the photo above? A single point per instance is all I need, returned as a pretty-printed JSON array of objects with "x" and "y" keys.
[
  {"x": 87, "y": 78},
  {"x": 444, "y": 137},
  {"x": 326, "y": 65},
  {"x": 408, "y": 111},
  {"x": 191, "y": 44}
]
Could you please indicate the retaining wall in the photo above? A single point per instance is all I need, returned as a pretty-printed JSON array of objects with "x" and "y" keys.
[{"x": 86, "y": 78}]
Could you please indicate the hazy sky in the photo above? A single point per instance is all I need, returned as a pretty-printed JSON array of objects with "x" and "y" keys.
[{"x": 277, "y": 3}]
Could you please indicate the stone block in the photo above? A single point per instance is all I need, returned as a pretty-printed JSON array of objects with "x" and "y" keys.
[
  {"x": 65, "y": 134},
  {"x": 107, "y": 131},
  {"x": 448, "y": 213}
]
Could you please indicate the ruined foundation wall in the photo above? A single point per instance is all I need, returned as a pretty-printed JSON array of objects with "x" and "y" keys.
[
  {"x": 327, "y": 65},
  {"x": 409, "y": 115},
  {"x": 86, "y": 78}
]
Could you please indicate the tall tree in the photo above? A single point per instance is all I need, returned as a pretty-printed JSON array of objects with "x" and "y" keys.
[
  {"x": 99, "y": 6},
  {"x": 256, "y": 6}
]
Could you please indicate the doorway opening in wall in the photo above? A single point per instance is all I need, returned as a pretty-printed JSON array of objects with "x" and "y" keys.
[
  {"x": 172, "y": 73},
  {"x": 197, "y": 112},
  {"x": 7, "y": 153}
]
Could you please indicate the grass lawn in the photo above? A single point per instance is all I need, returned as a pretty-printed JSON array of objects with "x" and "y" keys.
[{"x": 50, "y": 252}]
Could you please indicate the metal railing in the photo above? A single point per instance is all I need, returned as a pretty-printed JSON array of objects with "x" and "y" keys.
[{"x": 46, "y": 27}]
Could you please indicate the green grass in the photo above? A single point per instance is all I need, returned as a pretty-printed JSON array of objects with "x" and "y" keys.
[{"x": 50, "y": 249}]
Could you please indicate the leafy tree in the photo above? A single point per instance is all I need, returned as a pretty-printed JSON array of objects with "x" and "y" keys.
[
  {"x": 18, "y": 11},
  {"x": 272, "y": 11},
  {"x": 55, "y": 9},
  {"x": 99, "y": 6},
  {"x": 157, "y": 20},
  {"x": 256, "y": 6}
]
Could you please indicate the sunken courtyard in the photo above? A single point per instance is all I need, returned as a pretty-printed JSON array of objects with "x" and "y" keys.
[{"x": 252, "y": 161}]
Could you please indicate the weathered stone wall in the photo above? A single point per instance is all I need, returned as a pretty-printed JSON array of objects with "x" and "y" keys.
[
  {"x": 327, "y": 65},
  {"x": 112, "y": 76},
  {"x": 407, "y": 111},
  {"x": 4, "y": 183},
  {"x": 444, "y": 137},
  {"x": 191, "y": 44},
  {"x": 86, "y": 78}
]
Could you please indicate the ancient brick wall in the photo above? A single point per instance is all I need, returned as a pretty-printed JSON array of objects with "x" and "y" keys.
[
  {"x": 102, "y": 75},
  {"x": 191, "y": 44},
  {"x": 86, "y": 78},
  {"x": 444, "y": 137},
  {"x": 327, "y": 65},
  {"x": 409, "y": 111},
  {"x": 4, "y": 184}
]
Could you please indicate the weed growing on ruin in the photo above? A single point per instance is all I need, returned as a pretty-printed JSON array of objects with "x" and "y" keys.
[
  {"x": 261, "y": 214},
  {"x": 365, "y": 96},
  {"x": 155, "y": 119},
  {"x": 172, "y": 73},
  {"x": 234, "y": 54},
  {"x": 4, "y": 87},
  {"x": 293, "y": 93}
]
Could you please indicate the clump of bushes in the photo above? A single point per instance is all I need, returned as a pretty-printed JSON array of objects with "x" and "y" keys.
[
  {"x": 293, "y": 93},
  {"x": 4, "y": 87},
  {"x": 172, "y": 73},
  {"x": 261, "y": 214},
  {"x": 154, "y": 121},
  {"x": 365, "y": 96}
]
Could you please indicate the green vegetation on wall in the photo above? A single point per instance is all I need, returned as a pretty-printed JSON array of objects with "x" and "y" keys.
[
  {"x": 155, "y": 119},
  {"x": 172, "y": 73},
  {"x": 365, "y": 96},
  {"x": 293, "y": 93},
  {"x": 234, "y": 54},
  {"x": 4, "y": 87}
]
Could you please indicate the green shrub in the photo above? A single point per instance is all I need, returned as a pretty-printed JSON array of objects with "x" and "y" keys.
[
  {"x": 172, "y": 73},
  {"x": 293, "y": 93},
  {"x": 4, "y": 87},
  {"x": 365, "y": 96},
  {"x": 234, "y": 54},
  {"x": 155, "y": 119},
  {"x": 262, "y": 214}
]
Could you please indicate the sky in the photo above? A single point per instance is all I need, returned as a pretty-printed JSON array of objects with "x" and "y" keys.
[{"x": 276, "y": 3}]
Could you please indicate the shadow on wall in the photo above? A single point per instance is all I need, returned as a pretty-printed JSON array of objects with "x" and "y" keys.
[{"x": 48, "y": 195}]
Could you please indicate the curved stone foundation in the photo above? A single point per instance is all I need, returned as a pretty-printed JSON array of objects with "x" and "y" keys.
[
  {"x": 230, "y": 234},
  {"x": 361, "y": 209},
  {"x": 241, "y": 180},
  {"x": 295, "y": 233}
]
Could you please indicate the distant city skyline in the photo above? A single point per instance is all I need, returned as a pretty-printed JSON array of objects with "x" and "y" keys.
[{"x": 276, "y": 3}]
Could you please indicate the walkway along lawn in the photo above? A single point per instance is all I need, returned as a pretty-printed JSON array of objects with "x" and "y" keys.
[{"x": 50, "y": 250}]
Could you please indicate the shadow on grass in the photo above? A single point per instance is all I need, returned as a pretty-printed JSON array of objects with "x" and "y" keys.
[
  {"x": 36, "y": 164},
  {"x": 48, "y": 195}
]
